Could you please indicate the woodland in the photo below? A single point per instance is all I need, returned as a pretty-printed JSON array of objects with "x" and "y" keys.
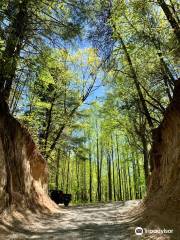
[{"x": 89, "y": 102}]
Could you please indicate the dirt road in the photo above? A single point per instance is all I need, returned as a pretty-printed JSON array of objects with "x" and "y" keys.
[{"x": 111, "y": 221}]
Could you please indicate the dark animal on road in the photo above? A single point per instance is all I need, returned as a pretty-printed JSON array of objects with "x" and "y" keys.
[{"x": 59, "y": 197}]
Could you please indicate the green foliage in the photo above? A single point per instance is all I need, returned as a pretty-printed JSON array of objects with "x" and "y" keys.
[{"x": 99, "y": 151}]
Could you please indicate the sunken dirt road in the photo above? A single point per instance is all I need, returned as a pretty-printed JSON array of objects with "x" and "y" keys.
[{"x": 111, "y": 221}]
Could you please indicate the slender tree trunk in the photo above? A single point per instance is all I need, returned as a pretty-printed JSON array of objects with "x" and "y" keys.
[
  {"x": 85, "y": 187},
  {"x": 57, "y": 171},
  {"x": 169, "y": 76},
  {"x": 125, "y": 181},
  {"x": 90, "y": 176},
  {"x": 98, "y": 169},
  {"x": 141, "y": 132},
  {"x": 135, "y": 177},
  {"x": 109, "y": 177},
  {"x": 119, "y": 170},
  {"x": 146, "y": 159},
  {"x": 67, "y": 177},
  {"x": 139, "y": 179},
  {"x": 100, "y": 172},
  {"x": 130, "y": 185},
  {"x": 172, "y": 20},
  {"x": 136, "y": 82},
  {"x": 114, "y": 183},
  {"x": 98, "y": 165},
  {"x": 174, "y": 11},
  {"x": 112, "y": 159},
  {"x": 10, "y": 57},
  {"x": 77, "y": 179},
  {"x": 49, "y": 119}
]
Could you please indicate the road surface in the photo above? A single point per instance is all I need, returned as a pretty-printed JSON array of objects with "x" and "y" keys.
[{"x": 111, "y": 221}]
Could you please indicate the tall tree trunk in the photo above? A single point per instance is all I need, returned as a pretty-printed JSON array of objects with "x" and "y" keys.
[
  {"x": 98, "y": 166},
  {"x": 137, "y": 84},
  {"x": 100, "y": 172},
  {"x": 114, "y": 183},
  {"x": 172, "y": 20},
  {"x": 112, "y": 159},
  {"x": 135, "y": 177},
  {"x": 119, "y": 170},
  {"x": 90, "y": 176},
  {"x": 77, "y": 179},
  {"x": 67, "y": 177},
  {"x": 49, "y": 119},
  {"x": 146, "y": 158},
  {"x": 109, "y": 177},
  {"x": 14, "y": 43},
  {"x": 126, "y": 193},
  {"x": 57, "y": 170},
  {"x": 139, "y": 178},
  {"x": 84, "y": 181},
  {"x": 130, "y": 186},
  {"x": 141, "y": 132}
]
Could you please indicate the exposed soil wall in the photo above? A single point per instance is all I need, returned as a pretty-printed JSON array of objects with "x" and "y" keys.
[
  {"x": 164, "y": 184},
  {"x": 23, "y": 171}
]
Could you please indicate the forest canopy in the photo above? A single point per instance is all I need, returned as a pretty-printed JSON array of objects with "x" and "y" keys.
[{"x": 91, "y": 80}]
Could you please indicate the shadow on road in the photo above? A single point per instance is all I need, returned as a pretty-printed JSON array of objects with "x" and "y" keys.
[{"x": 106, "y": 221}]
